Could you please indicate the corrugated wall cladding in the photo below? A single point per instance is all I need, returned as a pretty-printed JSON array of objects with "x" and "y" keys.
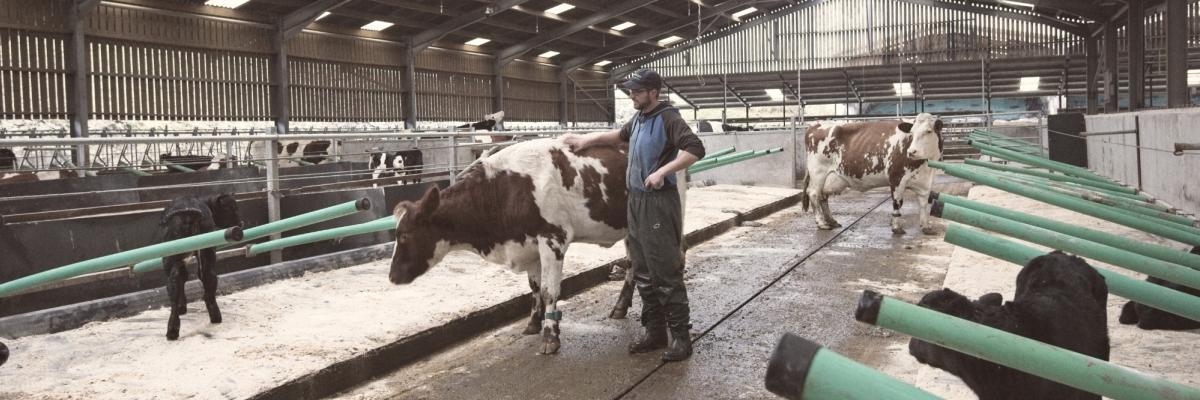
[
  {"x": 33, "y": 76},
  {"x": 42, "y": 15},
  {"x": 526, "y": 100},
  {"x": 332, "y": 47},
  {"x": 160, "y": 64},
  {"x": 325, "y": 91},
  {"x": 846, "y": 33},
  {"x": 443, "y": 60},
  {"x": 531, "y": 71},
  {"x": 450, "y": 96},
  {"x": 132, "y": 81},
  {"x": 155, "y": 26}
]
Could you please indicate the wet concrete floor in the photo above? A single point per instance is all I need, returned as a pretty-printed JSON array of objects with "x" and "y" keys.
[{"x": 736, "y": 322}]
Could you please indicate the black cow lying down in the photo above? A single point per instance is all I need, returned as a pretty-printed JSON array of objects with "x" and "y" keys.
[
  {"x": 1060, "y": 301},
  {"x": 1150, "y": 318},
  {"x": 188, "y": 216}
]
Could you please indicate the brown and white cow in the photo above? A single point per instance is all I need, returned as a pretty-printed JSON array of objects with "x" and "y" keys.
[
  {"x": 520, "y": 207},
  {"x": 866, "y": 155}
]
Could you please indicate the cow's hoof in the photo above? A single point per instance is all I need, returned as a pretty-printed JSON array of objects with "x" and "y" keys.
[
  {"x": 618, "y": 313},
  {"x": 929, "y": 231},
  {"x": 172, "y": 334},
  {"x": 549, "y": 346},
  {"x": 835, "y": 224},
  {"x": 825, "y": 227},
  {"x": 898, "y": 231},
  {"x": 533, "y": 328}
]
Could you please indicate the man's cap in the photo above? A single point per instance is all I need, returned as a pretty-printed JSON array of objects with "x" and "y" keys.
[{"x": 644, "y": 78}]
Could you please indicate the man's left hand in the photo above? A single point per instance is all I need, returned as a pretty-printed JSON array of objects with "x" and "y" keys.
[{"x": 654, "y": 181}]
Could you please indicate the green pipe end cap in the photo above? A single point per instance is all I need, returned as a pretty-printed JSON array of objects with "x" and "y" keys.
[
  {"x": 788, "y": 368},
  {"x": 362, "y": 204},
  {"x": 936, "y": 207},
  {"x": 3, "y": 353},
  {"x": 233, "y": 234},
  {"x": 868, "y": 307}
]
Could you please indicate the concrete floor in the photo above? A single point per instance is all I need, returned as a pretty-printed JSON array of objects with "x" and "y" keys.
[{"x": 735, "y": 326}]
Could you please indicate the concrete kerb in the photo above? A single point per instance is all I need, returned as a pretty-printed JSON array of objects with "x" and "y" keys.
[{"x": 376, "y": 362}]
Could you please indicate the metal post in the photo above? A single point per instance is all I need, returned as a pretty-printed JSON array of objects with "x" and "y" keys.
[
  {"x": 453, "y": 158},
  {"x": 78, "y": 87},
  {"x": 802, "y": 369},
  {"x": 1136, "y": 43},
  {"x": 1092, "y": 56},
  {"x": 410, "y": 87},
  {"x": 273, "y": 195},
  {"x": 1177, "y": 54},
  {"x": 1111, "y": 92}
]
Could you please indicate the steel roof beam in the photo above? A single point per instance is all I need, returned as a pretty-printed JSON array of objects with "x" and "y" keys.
[
  {"x": 426, "y": 38},
  {"x": 507, "y": 54}
]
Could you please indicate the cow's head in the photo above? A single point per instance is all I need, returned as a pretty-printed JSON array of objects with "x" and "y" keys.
[
  {"x": 416, "y": 241},
  {"x": 926, "y": 131},
  {"x": 224, "y": 211}
]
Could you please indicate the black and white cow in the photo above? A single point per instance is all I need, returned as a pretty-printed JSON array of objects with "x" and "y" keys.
[
  {"x": 188, "y": 216},
  {"x": 397, "y": 164},
  {"x": 488, "y": 123},
  {"x": 1149, "y": 318},
  {"x": 313, "y": 152},
  {"x": 1060, "y": 300},
  {"x": 866, "y": 155}
]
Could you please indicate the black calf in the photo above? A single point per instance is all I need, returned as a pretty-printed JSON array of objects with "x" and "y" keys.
[
  {"x": 8, "y": 159},
  {"x": 1059, "y": 301},
  {"x": 189, "y": 216},
  {"x": 1150, "y": 318}
]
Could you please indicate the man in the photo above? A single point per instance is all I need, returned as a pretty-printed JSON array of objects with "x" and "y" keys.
[{"x": 660, "y": 143}]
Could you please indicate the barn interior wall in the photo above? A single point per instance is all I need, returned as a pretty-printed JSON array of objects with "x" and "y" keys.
[
  {"x": 148, "y": 64},
  {"x": 1115, "y": 157}
]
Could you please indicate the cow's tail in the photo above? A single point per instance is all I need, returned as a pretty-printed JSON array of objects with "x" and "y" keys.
[{"x": 804, "y": 201}]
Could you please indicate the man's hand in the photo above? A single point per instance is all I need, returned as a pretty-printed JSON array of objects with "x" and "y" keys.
[
  {"x": 654, "y": 181},
  {"x": 575, "y": 141}
]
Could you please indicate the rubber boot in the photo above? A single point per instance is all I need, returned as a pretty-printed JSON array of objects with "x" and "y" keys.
[
  {"x": 681, "y": 345},
  {"x": 652, "y": 339}
]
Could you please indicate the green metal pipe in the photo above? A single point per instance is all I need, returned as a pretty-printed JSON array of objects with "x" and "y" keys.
[
  {"x": 801, "y": 369},
  {"x": 719, "y": 153},
  {"x": 1129, "y": 206},
  {"x": 1171, "y": 231},
  {"x": 286, "y": 224},
  {"x": 1081, "y": 189},
  {"x": 1132, "y": 206},
  {"x": 1056, "y": 177},
  {"x": 135, "y": 171},
  {"x": 1151, "y": 250},
  {"x": 1014, "y": 147},
  {"x": 176, "y": 167},
  {"x": 1085, "y": 248},
  {"x": 382, "y": 224},
  {"x": 708, "y": 160},
  {"x": 1160, "y": 297},
  {"x": 726, "y": 161},
  {"x": 694, "y": 169},
  {"x": 111, "y": 261},
  {"x": 1043, "y": 163},
  {"x": 1014, "y": 351}
]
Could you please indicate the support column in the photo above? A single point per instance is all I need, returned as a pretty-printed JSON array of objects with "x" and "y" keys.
[
  {"x": 410, "y": 88},
  {"x": 78, "y": 87},
  {"x": 1093, "y": 58},
  {"x": 498, "y": 90},
  {"x": 1135, "y": 34},
  {"x": 563, "y": 95},
  {"x": 1177, "y": 89},
  {"x": 1112, "y": 96},
  {"x": 278, "y": 72}
]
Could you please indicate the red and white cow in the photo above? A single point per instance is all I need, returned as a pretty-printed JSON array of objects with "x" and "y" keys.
[
  {"x": 521, "y": 207},
  {"x": 866, "y": 155}
]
